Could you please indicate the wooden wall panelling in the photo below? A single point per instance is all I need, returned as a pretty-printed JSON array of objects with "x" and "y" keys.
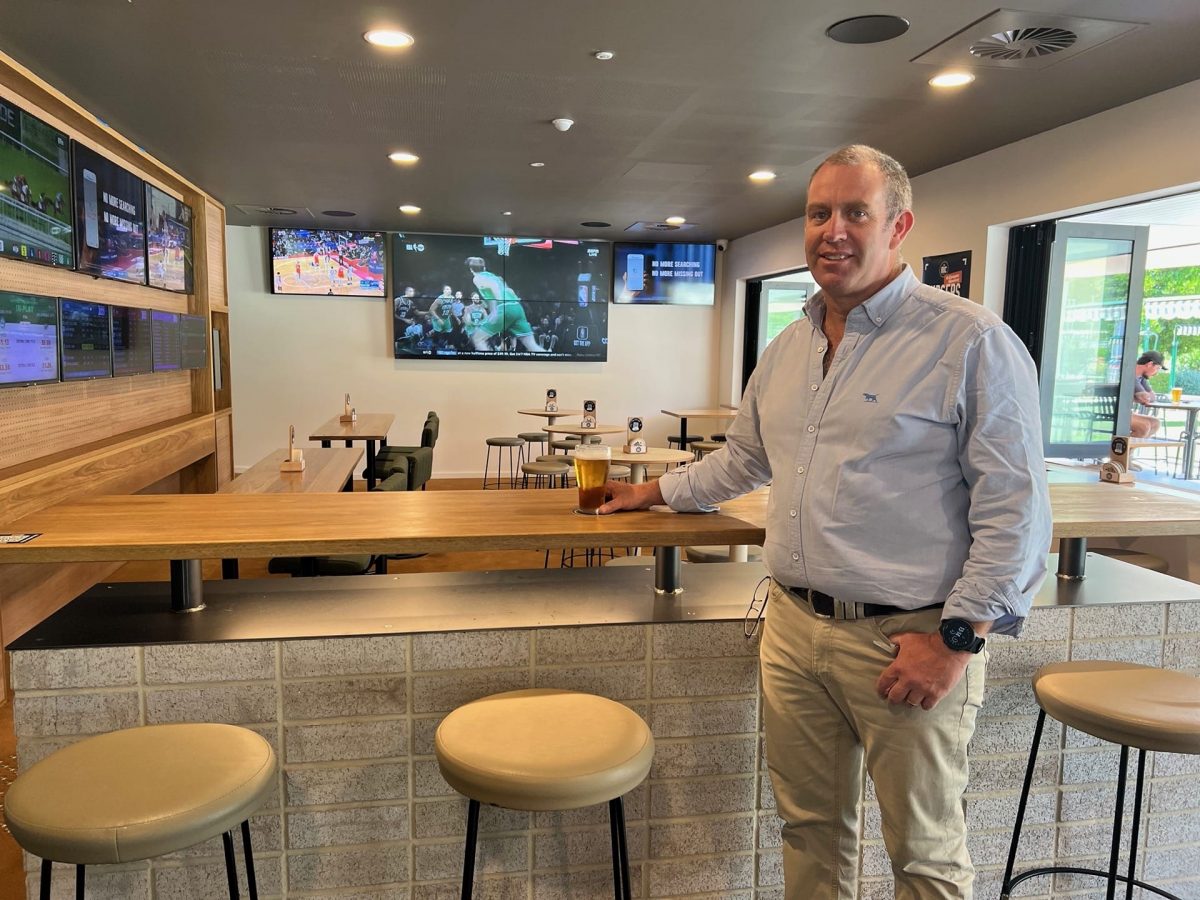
[
  {"x": 30, "y": 593},
  {"x": 223, "y": 398},
  {"x": 214, "y": 255},
  {"x": 223, "y": 426}
]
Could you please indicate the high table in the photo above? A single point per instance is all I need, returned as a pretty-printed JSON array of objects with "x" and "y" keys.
[
  {"x": 684, "y": 414},
  {"x": 369, "y": 428},
  {"x": 1189, "y": 429},
  {"x": 654, "y": 456},
  {"x": 326, "y": 470},
  {"x": 583, "y": 432},
  {"x": 551, "y": 417}
]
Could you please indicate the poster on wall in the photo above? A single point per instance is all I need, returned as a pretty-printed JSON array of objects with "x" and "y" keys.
[{"x": 951, "y": 272}]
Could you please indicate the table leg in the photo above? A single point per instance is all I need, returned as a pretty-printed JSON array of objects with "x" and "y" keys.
[
  {"x": 229, "y": 569},
  {"x": 666, "y": 571},
  {"x": 370, "y": 465},
  {"x": 637, "y": 473},
  {"x": 326, "y": 444},
  {"x": 187, "y": 586},
  {"x": 683, "y": 432},
  {"x": 1189, "y": 444},
  {"x": 1072, "y": 558}
]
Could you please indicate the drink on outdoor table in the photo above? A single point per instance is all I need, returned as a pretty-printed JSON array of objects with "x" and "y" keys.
[
  {"x": 591, "y": 472},
  {"x": 1176, "y": 394}
]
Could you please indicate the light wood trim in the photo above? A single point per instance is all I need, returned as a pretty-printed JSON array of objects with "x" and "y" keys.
[
  {"x": 326, "y": 471},
  {"x": 369, "y": 427},
  {"x": 28, "y": 594},
  {"x": 223, "y": 430},
  {"x": 223, "y": 398},
  {"x": 120, "y": 467},
  {"x": 562, "y": 413}
]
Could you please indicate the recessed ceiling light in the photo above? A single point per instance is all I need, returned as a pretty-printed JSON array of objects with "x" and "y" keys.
[
  {"x": 537, "y": 165},
  {"x": 507, "y": 212},
  {"x": 409, "y": 210},
  {"x": 951, "y": 79},
  {"x": 403, "y": 157},
  {"x": 388, "y": 37},
  {"x": 596, "y": 224},
  {"x": 674, "y": 220},
  {"x": 762, "y": 175},
  {"x": 603, "y": 54}
]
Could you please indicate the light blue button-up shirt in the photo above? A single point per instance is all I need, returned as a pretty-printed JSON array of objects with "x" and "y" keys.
[{"x": 911, "y": 474}]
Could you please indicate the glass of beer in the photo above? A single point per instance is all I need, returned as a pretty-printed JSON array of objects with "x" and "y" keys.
[
  {"x": 591, "y": 472},
  {"x": 1176, "y": 394}
]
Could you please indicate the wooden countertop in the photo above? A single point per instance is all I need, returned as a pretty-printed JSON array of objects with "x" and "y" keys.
[
  {"x": 325, "y": 471},
  {"x": 369, "y": 427},
  {"x": 722, "y": 413}
]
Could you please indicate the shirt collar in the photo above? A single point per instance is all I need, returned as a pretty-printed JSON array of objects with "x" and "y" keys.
[{"x": 877, "y": 308}]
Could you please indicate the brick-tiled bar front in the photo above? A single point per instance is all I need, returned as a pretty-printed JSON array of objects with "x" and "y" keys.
[{"x": 362, "y": 813}]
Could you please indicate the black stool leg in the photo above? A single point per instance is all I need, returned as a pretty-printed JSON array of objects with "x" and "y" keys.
[
  {"x": 79, "y": 882},
  {"x": 615, "y": 836},
  {"x": 1005, "y": 885},
  {"x": 625, "y": 886},
  {"x": 230, "y": 864},
  {"x": 1115, "y": 853},
  {"x": 1137, "y": 818},
  {"x": 251, "y": 881},
  {"x": 469, "y": 849},
  {"x": 47, "y": 874}
]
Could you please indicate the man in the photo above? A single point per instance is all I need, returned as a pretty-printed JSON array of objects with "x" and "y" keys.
[
  {"x": 908, "y": 517},
  {"x": 506, "y": 315},
  {"x": 1148, "y": 365}
]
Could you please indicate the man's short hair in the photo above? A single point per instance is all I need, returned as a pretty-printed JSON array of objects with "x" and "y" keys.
[
  {"x": 896, "y": 184},
  {"x": 1151, "y": 356},
  {"x": 475, "y": 262}
]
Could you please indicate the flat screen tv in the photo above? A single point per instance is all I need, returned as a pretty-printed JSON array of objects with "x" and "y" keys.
[
  {"x": 193, "y": 342},
  {"x": 110, "y": 218},
  {"x": 35, "y": 190},
  {"x": 329, "y": 263},
  {"x": 166, "y": 341},
  {"x": 28, "y": 339},
  {"x": 168, "y": 241},
  {"x": 132, "y": 341},
  {"x": 477, "y": 297},
  {"x": 84, "y": 336},
  {"x": 683, "y": 274}
]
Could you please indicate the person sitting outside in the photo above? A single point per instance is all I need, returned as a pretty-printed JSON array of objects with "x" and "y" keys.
[{"x": 1149, "y": 364}]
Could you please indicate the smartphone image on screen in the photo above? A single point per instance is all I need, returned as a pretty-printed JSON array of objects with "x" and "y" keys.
[
  {"x": 91, "y": 227},
  {"x": 635, "y": 272}
]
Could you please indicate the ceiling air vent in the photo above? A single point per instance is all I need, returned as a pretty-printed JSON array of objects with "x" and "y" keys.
[
  {"x": 656, "y": 227},
  {"x": 1016, "y": 39},
  {"x": 1022, "y": 43}
]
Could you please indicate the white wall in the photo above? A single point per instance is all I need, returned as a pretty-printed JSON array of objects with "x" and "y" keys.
[
  {"x": 1147, "y": 148},
  {"x": 293, "y": 358}
]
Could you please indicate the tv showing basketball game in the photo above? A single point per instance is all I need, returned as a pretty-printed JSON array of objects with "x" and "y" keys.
[
  {"x": 28, "y": 339},
  {"x": 168, "y": 241},
  {"x": 193, "y": 342},
  {"x": 166, "y": 341},
  {"x": 132, "y": 341},
  {"x": 682, "y": 274},
  {"x": 35, "y": 190},
  {"x": 484, "y": 297},
  {"x": 84, "y": 336},
  {"x": 110, "y": 216},
  {"x": 330, "y": 263}
]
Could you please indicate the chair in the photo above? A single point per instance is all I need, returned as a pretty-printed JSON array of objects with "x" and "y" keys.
[
  {"x": 703, "y": 448},
  {"x": 1097, "y": 409},
  {"x": 418, "y": 461},
  {"x": 1126, "y": 704},
  {"x": 142, "y": 792},
  {"x": 544, "y": 750},
  {"x": 688, "y": 440}
]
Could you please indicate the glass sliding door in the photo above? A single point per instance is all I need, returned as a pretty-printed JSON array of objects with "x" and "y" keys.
[
  {"x": 1093, "y": 316},
  {"x": 783, "y": 299}
]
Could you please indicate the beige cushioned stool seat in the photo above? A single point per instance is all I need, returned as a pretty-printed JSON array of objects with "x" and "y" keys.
[
  {"x": 140, "y": 792},
  {"x": 546, "y": 467},
  {"x": 543, "y": 749},
  {"x": 1137, "y": 706},
  {"x": 718, "y": 553}
]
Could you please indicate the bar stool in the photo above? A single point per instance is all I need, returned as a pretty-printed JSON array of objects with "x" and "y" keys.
[
  {"x": 618, "y": 472},
  {"x": 501, "y": 444},
  {"x": 142, "y": 792},
  {"x": 566, "y": 445},
  {"x": 542, "y": 750},
  {"x": 703, "y": 448},
  {"x": 1129, "y": 705},
  {"x": 688, "y": 440},
  {"x": 530, "y": 438},
  {"x": 544, "y": 473}
]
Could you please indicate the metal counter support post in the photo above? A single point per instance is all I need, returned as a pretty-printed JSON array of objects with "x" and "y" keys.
[
  {"x": 666, "y": 571},
  {"x": 187, "y": 586},
  {"x": 1072, "y": 558}
]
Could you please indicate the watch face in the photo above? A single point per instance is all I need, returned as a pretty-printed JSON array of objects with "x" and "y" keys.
[{"x": 958, "y": 634}]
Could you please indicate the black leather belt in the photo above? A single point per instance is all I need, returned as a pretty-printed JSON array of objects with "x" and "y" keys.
[{"x": 827, "y": 607}]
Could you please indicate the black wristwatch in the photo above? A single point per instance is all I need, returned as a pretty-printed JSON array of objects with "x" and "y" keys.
[{"x": 958, "y": 635}]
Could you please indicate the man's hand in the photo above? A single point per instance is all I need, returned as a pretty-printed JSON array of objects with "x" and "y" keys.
[
  {"x": 924, "y": 671},
  {"x": 630, "y": 496}
]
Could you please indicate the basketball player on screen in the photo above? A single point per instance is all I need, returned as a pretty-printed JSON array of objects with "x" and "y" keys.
[{"x": 506, "y": 315}]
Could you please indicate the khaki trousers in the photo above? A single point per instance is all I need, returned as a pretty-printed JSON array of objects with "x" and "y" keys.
[{"x": 823, "y": 720}]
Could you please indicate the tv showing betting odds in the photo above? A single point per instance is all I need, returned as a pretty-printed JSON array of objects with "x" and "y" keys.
[
  {"x": 193, "y": 342},
  {"x": 168, "y": 241},
  {"x": 475, "y": 297},
  {"x": 28, "y": 339},
  {"x": 110, "y": 217},
  {"x": 684, "y": 274},
  {"x": 166, "y": 341},
  {"x": 333, "y": 263},
  {"x": 84, "y": 336},
  {"x": 35, "y": 189},
  {"x": 132, "y": 341}
]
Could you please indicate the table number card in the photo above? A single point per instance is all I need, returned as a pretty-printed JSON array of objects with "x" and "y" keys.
[
  {"x": 634, "y": 442},
  {"x": 295, "y": 457},
  {"x": 551, "y": 400},
  {"x": 589, "y": 414}
]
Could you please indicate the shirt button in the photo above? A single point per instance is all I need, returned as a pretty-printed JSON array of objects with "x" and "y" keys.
[
  {"x": 800, "y": 470},
  {"x": 878, "y": 320},
  {"x": 795, "y": 556},
  {"x": 812, "y": 428},
  {"x": 821, "y": 349},
  {"x": 814, "y": 387},
  {"x": 792, "y": 513}
]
